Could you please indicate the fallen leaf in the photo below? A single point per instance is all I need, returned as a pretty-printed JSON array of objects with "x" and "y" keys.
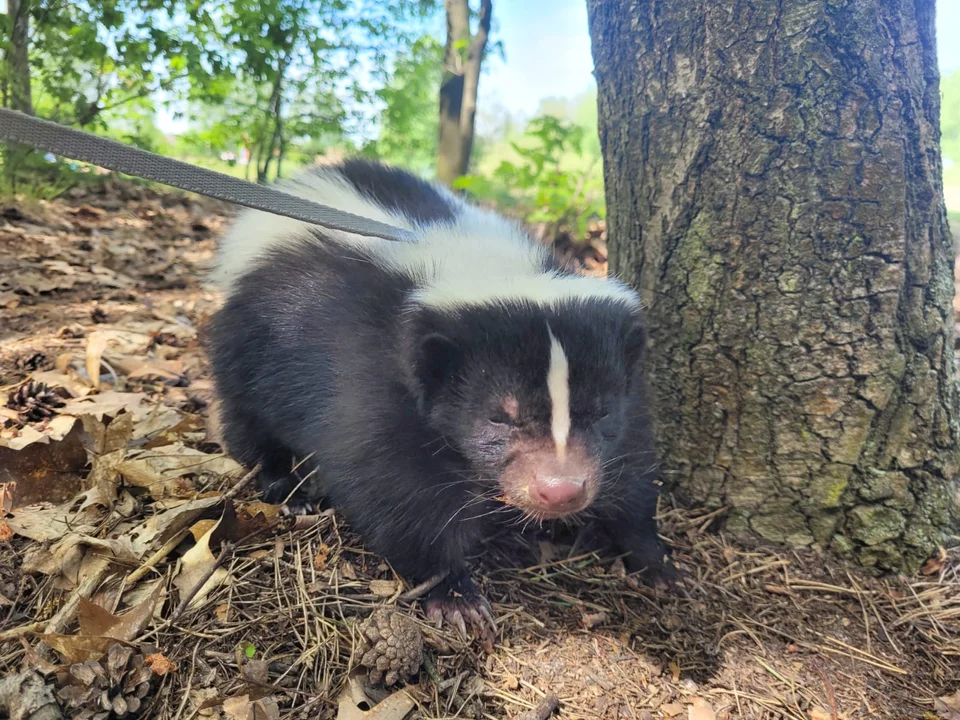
[
  {"x": 199, "y": 529},
  {"x": 109, "y": 435},
  {"x": 195, "y": 564},
  {"x": 55, "y": 378},
  {"x": 159, "y": 664},
  {"x": 79, "y": 648},
  {"x": 48, "y": 471},
  {"x": 674, "y": 671},
  {"x": 77, "y": 556},
  {"x": 672, "y": 709},
  {"x": 9, "y": 300},
  {"x": 178, "y": 460},
  {"x": 169, "y": 372},
  {"x": 51, "y": 523},
  {"x": 354, "y": 698},
  {"x": 6, "y": 532},
  {"x": 256, "y": 671},
  {"x": 320, "y": 562},
  {"x": 108, "y": 403},
  {"x": 139, "y": 474},
  {"x": 166, "y": 426},
  {"x": 95, "y": 620},
  {"x": 948, "y": 706},
  {"x": 143, "y": 590},
  {"x": 243, "y": 708},
  {"x": 54, "y": 431},
  {"x": 383, "y": 588},
  {"x": 935, "y": 565},
  {"x": 591, "y": 620},
  {"x": 205, "y": 702},
  {"x": 96, "y": 344},
  {"x": 159, "y": 528},
  {"x": 701, "y": 710},
  {"x": 819, "y": 713},
  {"x": 238, "y": 523}
]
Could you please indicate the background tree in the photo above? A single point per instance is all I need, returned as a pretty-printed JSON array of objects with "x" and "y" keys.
[
  {"x": 15, "y": 78},
  {"x": 91, "y": 58},
  {"x": 292, "y": 63},
  {"x": 774, "y": 189},
  {"x": 462, "y": 61},
  {"x": 16, "y": 71},
  {"x": 408, "y": 118}
]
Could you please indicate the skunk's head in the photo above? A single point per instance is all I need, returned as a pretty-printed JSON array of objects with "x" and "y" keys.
[{"x": 534, "y": 397}]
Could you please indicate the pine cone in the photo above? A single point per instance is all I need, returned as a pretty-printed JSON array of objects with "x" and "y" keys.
[
  {"x": 34, "y": 402},
  {"x": 31, "y": 361},
  {"x": 114, "y": 687},
  {"x": 393, "y": 646}
]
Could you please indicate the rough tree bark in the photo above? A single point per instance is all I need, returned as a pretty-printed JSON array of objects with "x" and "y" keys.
[
  {"x": 774, "y": 188},
  {"x": 17, "y": 73},
  {"x": 16, "y": 76},
  {"x": 458, "y": 89}
]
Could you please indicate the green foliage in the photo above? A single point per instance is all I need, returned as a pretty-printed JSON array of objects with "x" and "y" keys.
[
  {"x": 87, "y": 58},
  {"x": 408, "y": 119},
  {"x": 290, "y": 70},
  {"x": 278, "y": 77},
  {"x": 539, "y": 186}
]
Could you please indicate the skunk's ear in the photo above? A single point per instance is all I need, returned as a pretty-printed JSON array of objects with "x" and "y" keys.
[
  {"x": 437, "y": 360},
  {"x": 634, "y": 342}
]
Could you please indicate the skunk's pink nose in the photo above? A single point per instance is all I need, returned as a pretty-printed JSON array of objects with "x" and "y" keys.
[{"x": 557, "y": 493}]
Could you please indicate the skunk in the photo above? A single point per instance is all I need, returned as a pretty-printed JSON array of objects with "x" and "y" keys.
[{"x": 430, "y": 388}]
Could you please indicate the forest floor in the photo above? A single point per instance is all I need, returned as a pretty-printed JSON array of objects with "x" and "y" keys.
[{"x": 134, "y": 532}]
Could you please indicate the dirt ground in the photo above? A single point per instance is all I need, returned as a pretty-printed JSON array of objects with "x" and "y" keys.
[{"x": 133, "y": 530}]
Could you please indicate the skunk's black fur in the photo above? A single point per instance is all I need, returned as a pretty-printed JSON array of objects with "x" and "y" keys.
[{"x": 393, "y": 407}]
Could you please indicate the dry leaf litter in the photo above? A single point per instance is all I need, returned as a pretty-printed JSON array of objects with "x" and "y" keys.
[{"x": 140, "y": 576}]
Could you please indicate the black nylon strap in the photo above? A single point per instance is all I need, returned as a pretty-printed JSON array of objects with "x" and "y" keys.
[{"x": 16, "y": 127}]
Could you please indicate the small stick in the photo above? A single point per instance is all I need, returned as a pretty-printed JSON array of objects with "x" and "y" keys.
[
  {"x": 242, "y": 482},
  {"x": 188, "y": 598},
  {"x": 226, "y": 548},
  {"x": 544, "y": 709},
  {"x": 14, "y": 633},
  {"x": 831, "y": 698},
  {"x": 423, "y": 588},
  {"x": 151, "y": 562}
]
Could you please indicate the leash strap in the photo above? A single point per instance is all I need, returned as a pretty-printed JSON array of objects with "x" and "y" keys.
[{"x": 16, "y": 127}]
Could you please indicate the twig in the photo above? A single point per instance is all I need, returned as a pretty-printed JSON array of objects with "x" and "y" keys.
[
  {"x": 831, "y": 698},
  {"x": 544, "y": 709},
  {"x": 186, "y": 692},
  {"x": 151, "y": 562},
  {"x": 188, "y": 598},
  {"x": 423, "y": 588},
  {"x": 14, "y": 633},
  {"x": 242, "y": 482}
]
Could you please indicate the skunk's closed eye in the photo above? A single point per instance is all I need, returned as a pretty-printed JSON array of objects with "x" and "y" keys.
[{"x": 501, "y": 418}]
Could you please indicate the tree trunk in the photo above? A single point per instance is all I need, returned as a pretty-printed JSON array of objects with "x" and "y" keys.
[
  {"x": 17, "y": 56},
  {"x": 458, "y": 90},
  {"x": 274, "y": 118},
  {"x": 774, "y": 190},
  {"x": 17, "y": 94}
]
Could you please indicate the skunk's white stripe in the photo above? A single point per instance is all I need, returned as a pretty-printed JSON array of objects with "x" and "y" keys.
[
  {"x": 255, "y": 232},
  {"x": 479, "y": 258},
  {"x": 453, "y": 291},
  {"x": 484, "y": 258},
  {"x": 558, "y": 385}
]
